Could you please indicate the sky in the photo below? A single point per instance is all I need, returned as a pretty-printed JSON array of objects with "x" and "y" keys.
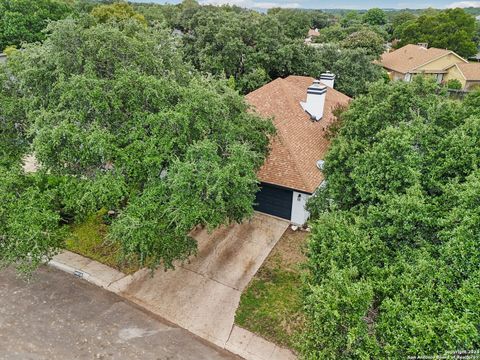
[{"x": 336, "y": 4}]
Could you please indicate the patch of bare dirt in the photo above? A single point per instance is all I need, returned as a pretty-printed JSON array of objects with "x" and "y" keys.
[{"x": 289, "y": 252}]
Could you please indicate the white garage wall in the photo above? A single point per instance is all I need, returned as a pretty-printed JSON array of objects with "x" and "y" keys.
[{"x": 299, "y": 213}]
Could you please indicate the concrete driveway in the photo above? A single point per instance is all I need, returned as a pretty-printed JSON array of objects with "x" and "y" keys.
[
  {"x": 57, "y": 316},
  {"x": 202, "y": 296}
]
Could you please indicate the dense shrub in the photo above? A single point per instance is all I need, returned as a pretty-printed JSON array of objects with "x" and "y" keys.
[
  {"x": 394, "y": 255},
  {"x": 453, "y": 84}
]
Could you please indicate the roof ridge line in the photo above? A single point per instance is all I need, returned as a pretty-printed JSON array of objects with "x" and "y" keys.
[
  {"x": 449, "y": 52},
  {"x": 292, "y": 102}
]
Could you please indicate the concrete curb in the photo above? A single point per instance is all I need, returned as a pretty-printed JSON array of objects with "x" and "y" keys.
[
  {"x": 253, "y": 347},
  {"x": 240, "y": 342},
  {"x": 92, "y": 271}
]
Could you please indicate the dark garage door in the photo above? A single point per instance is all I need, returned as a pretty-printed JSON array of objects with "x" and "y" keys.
[{"x": 274, "y": 201}]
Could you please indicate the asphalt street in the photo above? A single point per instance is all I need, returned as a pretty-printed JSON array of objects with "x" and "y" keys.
[{"x": 58, "y": 316}]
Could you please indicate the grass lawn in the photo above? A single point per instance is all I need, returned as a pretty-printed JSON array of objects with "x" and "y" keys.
[
  {"x": 271, "y": 306},
  {"x": 89, "y": 239}
]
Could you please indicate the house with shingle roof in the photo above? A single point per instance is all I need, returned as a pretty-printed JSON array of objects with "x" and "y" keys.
[
  {"x": 302, "y": 110},
  {"x": 311, "y": 34},
  {"x": 467, "y": 73},
  {"x": 411, "y": 60}
]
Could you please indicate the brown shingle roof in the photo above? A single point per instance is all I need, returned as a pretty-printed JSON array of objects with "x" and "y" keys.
[
  {"x": 300, "y": 142},
  {"x": 471, "y": 71},
  {"x": 410, "y": 57}
]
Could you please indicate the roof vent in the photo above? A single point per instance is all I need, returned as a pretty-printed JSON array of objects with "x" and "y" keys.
[
  {"x": 315, "y": 100},
  {"x": 423, "y": 45},
  {"x": 321, "y": 164},
  {"x": 328, "y": 79}
]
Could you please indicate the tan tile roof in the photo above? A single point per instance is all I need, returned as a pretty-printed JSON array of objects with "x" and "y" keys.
[
  {"x": 313, "y": 32},
  {"x": 471, "y": 71},
  {"x": 299, "y": 142},
  {"x": 410, "y": 57}
]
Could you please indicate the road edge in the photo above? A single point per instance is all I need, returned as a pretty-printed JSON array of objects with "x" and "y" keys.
[{"x": 241, "y": 342}]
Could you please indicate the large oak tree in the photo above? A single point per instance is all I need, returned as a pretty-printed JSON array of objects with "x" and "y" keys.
[
  {"x": 118, "y": 120},
  {"x": 24, "y": 20},
  {"x": 452, "y": 29}
]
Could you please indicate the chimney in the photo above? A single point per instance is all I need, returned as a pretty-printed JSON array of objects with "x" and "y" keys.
[
  {"x": 328, "y": 79},
  {"x": 423, "y": 45},
  {"x": 315, "y": 100}
]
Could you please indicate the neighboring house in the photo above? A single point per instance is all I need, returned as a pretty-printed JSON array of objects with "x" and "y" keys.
[
  {"x": 311, "y": 34},
  {"x": 302, "y": 109},
  {"x": 410, "y": 60},
  {"x": 467, "y": 73}
]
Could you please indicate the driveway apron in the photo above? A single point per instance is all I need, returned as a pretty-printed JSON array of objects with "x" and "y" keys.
[{"x": 203, "y": 295}]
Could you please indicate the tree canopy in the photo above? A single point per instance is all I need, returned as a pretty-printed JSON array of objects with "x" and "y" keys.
[
  {"x": 116, "y": 12},
  {"x": 24, "y": 20},
  {"x": 365, "y": 39},
  {"x": 452, "y": 29},
  {"x": 228, "y": 42},
  {"x": 394, "y": 256},
  {"x": 401, "y": 18},
  {"x": 353, "y": 67},
  {"x": 251, "y": 49},
  {"x": 117, "y": 120},
  {"x": 375, "y": 16}
]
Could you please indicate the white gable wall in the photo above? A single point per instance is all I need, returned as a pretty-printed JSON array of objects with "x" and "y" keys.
[{"x": 299, "y": 213}]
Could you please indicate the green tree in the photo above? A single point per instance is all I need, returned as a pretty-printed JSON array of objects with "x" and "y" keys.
[
  {"x": 451, "y": 29},
  {"x": 119, "y": 11},
  {"x": 254, "y": 79},
  {"x": 9, "y": 50},
  {"x": 353, "y": 68},
  {"x": 23, "y": 20},
  {"x": 13, "y": 122},
  {"x": 296, "y": 23},
  {"x": 351, "y": 18},
  {"x": 29, "y": 224},
  {"x": 168, "y": 13},
  {"x": 393, "y": 258},
  {"x": 401, "y": 18},
  {"x": 131, "y": 127},
  {"x": 375, "y": 16},
  {"x": 251, "y": 47},
  {"x": 365, "y": 39},
  {"x": 332, "y": 34}
]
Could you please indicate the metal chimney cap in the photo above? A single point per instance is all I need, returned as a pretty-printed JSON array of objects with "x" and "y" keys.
[
  {"x": 317, "y": 89},
  {"x": 327, "y": 76},
  {"x": 321, "y": 164}
]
